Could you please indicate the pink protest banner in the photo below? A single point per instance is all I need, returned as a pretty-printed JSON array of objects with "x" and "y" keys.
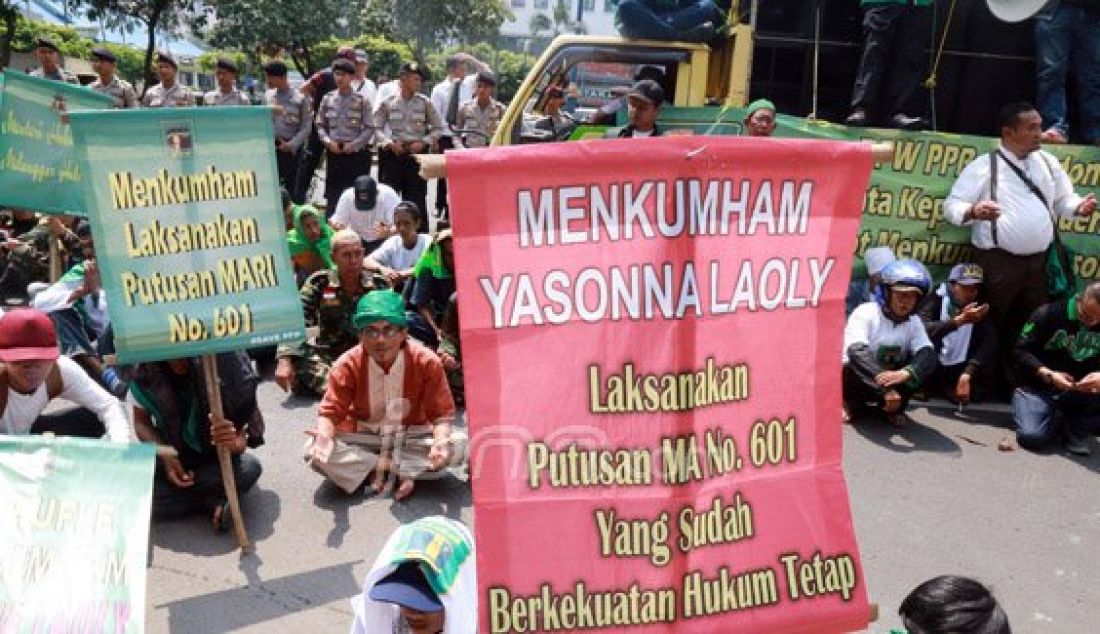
[{"x": 651, "y": 332}]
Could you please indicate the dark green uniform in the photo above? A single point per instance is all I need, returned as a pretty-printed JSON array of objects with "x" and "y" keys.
[{"x": 328, "y": 307}]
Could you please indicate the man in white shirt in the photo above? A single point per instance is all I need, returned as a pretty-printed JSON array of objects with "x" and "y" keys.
[
  {"x": 456, "y": 89},
  {"x": 1011, "y": 225},
  {"x": 367, "y": 209},
  {"x": 33, "y": 373},
  {"x": 362, "y": 84}
]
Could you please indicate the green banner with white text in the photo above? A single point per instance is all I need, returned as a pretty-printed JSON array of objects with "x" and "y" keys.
[
  {"x": 38, "y": 169},
  {"x": 903, "y": 205},
  {"x": 73, "y": 534},
  {"x": 185, "y": 211}
]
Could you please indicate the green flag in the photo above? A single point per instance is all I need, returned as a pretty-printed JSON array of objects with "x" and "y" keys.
[
  {"x": 39, "y": 169},
  {"x": 187, "y": 219},
  {"x": 74, "y": 529}
]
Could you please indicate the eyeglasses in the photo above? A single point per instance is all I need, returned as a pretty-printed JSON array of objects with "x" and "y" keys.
[{"x": 386, "y": 332}]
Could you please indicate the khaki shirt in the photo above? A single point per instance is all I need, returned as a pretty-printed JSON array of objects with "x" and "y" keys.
[
  {"x": 405, "y": 120},
  {"x": 293, "y": 116},
  {"x": 119, "y": 89},
  {"x": 232, "y": 98},
  {"x": 345, "y": 118},
  {"x": 472, "y": 116},
  {"x": 174, "y": 97},
  {"x": 60, "y": 75}
]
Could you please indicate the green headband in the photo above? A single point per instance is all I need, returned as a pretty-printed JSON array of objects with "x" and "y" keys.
[
  {"x": 375, "y": 306},
  {"x": 760, "y": 104}
]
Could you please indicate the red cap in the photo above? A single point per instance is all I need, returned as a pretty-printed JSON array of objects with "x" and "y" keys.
[{"x": 27, "y": 334}]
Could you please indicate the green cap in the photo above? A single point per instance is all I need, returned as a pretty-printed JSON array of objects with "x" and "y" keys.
[
  {"x": 375, "y": 306},
  {"x": 760, "y": 104}
]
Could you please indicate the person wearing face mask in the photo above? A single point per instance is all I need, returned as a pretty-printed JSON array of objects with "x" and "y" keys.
[{"x": 887, "y": 354}]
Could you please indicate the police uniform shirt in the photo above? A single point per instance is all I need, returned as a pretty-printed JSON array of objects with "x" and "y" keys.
[
  {"x": 471, "y": 116},
  {"x": 60, "y": 75},
  {"x": 232, "y": 98},
  {"x": 345, "y": 118},
  {"x": 119, "y": 89},
  {"x": 174, "y": 97},
  {"x": 293, "y": 115},
  {"x": 406, "y": 120}
]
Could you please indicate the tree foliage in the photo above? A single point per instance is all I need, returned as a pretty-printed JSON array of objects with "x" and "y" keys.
[
  {"x": 386, "y": 56},
  {"x": 9, "y": 18},
  {"x": 430, "y": 24},
  {"x": 291, "y": 27},
  {"x": 168, "y": 15}
]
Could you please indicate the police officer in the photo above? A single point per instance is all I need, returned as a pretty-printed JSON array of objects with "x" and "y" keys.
[
  {"x": 225, "y": 73},
  {"x": 168, "y": 93},
  {"x": 319, "y": 84},
  {"x": 345, "y": 127},
  {"x": 480, "y": 115},
  {"x": 407, "y": 124},
  {"x": 293, "y": 120},
  {"x": 49, "y": 60},
  {"x": 108, "y": 83}
]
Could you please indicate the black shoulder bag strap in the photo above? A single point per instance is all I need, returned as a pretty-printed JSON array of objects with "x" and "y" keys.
[
  {"x": 1035, "y": 190},
  {"x": 993, "y": 193}
]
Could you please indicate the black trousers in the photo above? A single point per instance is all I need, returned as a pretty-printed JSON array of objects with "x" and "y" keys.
[
  {"x": 77, "y": 421},
  {"x": 287, "y": 163},
  {"x": 340, "y": 174},
  {"x": 1015, "y": 285},
  {"x": 402, "y": 173},
  {"x": 894, "y": 61},
  {"x": 861, "y": 392},
  {"x": 442, "y": 205},
  {"x": 310, "y": 158}
]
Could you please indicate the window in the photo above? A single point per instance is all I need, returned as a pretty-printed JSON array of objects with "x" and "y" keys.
[
  {"x": 542, "y": 4},
  {"x": 519, "y": 4},
  {"x": 589, "y": 5}
]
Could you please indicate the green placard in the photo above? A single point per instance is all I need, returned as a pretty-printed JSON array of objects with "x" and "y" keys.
[
  {"x": 38, "y": 167},
  {"x": 187, "y": 219},
  {"x": 74, "y": 530}
]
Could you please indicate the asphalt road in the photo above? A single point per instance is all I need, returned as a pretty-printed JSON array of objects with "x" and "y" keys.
[{"x": 936, "y": 497}]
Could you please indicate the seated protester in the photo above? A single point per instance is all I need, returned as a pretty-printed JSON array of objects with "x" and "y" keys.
[
  {"x": 952, "y": 603},
  {"x": 367, "y": 209},
  {"x": 676, "y": 20},
  {"x": 417, "y": 590},
  {"x": 760, "y": 119},
  {"x": 397, "y": 256},
  {"x": 309, "y": 242},
  {"x": 77, "y": 304},
  {"x": 450, "y": 351},
  {"x": 964, "y": 338},
  {"x": 862, "y": 291},
  {"x": 28, "y": 255},
  {"x": 329, "y": 298},
  {"x": 1057, "y": 362},
  {"x": 33, "y": 373},
  {"x": 171, "y": 408},
  {"x": 387, "y": 408},
  {"x": 887, "y": 354},
  {"x": 432, "y": 290}
]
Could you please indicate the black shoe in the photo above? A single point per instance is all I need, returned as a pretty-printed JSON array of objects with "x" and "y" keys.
[
  {"x": 903, "y": 121},
  {"x": 701, "y": 33},
  {"x": 858, "y": 118}
]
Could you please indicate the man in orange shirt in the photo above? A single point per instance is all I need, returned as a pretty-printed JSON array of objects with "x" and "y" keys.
[{"x": 387, "y": 408}]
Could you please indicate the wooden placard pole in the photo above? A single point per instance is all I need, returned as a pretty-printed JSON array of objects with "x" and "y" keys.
[
  {"x": 55, "y": 260},
  {"x": 225, "y": 461},
  {"x": 435, "y": 165}
]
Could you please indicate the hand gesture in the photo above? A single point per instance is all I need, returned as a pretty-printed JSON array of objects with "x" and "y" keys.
[
  {"x": 890, "y": 378},
  {"x": 972, "y": 314},
  {"x": 177, "y": 476},
  {"x": 962, "y": 389},
  {"x": 222, "y": 432},
  {"x": 985, "y": 210},
  {"x": 1087, "y": 206},
  {"x": 1090, "y": 384},
  {"x": 284, "y": 373},
  {"x": 1061, "y": 381}
]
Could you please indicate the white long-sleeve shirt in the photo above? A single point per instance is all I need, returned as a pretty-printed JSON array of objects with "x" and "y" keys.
[
  {"x": 1024, "y": 226},
  {"x": 441, "y": 96},
  {"x": 58, "y": 296},
  {"x": 23, "y": 409}
]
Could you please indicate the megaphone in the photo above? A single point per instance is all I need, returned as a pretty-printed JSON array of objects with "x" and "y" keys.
[{"x": 1015, "y": 10}]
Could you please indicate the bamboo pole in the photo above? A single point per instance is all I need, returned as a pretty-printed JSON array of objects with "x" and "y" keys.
[
  {"x": 435, "y": 165},
  {"x": 214, "y": 396},
  {"x": 55, "y": 260}
]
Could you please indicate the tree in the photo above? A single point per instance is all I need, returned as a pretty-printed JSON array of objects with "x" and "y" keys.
[
  {"x": 386, "y": 56},
  {"x": 273, "y": 27},
  {"x": 9, "y": 16},
  {"x": 150, "y": 14},
  {"x": 428, "y": 24}
]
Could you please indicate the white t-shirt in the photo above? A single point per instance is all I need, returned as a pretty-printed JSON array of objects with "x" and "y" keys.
[
  {"x": 642, "y": 134},
  {"x": 367, "y": 89},
  {"x": 892, "y": 343},
  {"x": 957, "y": 342},
  {"x": 364, "y": 222},
  {"x": 23, "y": 409},
  {"x": 393, "y": 254}
]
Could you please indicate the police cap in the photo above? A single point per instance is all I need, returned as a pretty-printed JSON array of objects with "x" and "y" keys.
[
  {"x": 224, "y": 63},
  {"x": 103, "y": 54},
  {"x": 276, "y": 68},
  {"x": 409, "y": 68}
]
